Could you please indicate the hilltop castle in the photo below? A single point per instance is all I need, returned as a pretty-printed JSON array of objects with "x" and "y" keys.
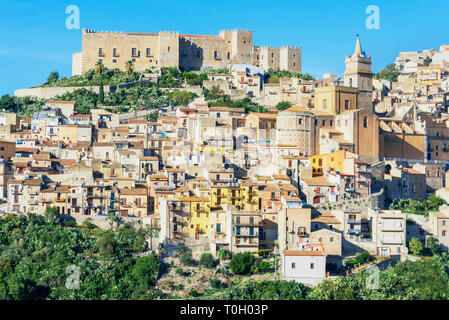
[{"x": 184, "y": 51}]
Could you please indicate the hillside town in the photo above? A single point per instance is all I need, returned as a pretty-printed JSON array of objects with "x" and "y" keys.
[{"x": 315, "y": 171}]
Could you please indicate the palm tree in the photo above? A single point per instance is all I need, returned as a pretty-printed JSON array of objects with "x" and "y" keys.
[
  {"x": 99, "y": 68},
  {"x": 129, "y": 66}
]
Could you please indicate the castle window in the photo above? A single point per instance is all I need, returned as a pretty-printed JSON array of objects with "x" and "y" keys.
[
  {"x": 346, "y": 104},
  {"x": 100, "y": 52},
  {"x": 114, "y": 61},
  {"x": 183, "y": 52},
  {"x": 148, "y": 52},
  {"x": 114, "y": 52},
  {"x": 294, "y": 64},
  {"x": 134, "y": 52},
  {"x": 168, "y": 49},
  {"x": 228, "y": 55},
  {"x": 365, "y": 122},
  {"x": 198, "y": 53},
  {"x": 215, "y": 54}
]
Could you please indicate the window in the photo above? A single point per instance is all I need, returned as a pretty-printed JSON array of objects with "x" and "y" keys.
[
  {"x": 228, "y": 55},
  {"x": 443, "y": 233},
  {"x": 100, "y": 52},
  {"x": 148, "y": 52},
  {"x": 293, "y": 265},
  {"x": 365, "y": 122},
  {"x": 300, "y": 121},
  {"x": 312, "y": 266},
  {"x": 444, "y": 222},
  {"x": 346, "y": 104},
  {"x": 168, "y": 49},
  {"x": 114, "y": 52},
  {"x": 114, "y": 61},
  {"x": 198, "y": 53},
  {"x": 324, "y": 104},
  {"x": 134, "y": 52},
  {"x": 215, "y": 54},
  {"x": 331, "y": 239}
]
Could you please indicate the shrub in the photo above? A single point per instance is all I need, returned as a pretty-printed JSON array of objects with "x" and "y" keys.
[
  {"x": 224, "y": 254},
  {"x": 216, "y": 283},
  {"x": 179, "y": 272},
  {"x": 415, "y": 246},
  {"x": 263, "y": 266},
  {"x": 207, "y": 260},
  {"x": 194, "y": 293},
  {"x": 242, "y": 263},
  {"x": 186, "y": 258}
]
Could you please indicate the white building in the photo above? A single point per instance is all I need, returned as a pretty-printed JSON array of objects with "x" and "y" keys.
[{"x": 308, "y": 267}]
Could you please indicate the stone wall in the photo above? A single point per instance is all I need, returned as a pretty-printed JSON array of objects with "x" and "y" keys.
[{"x": 375, "y": 200}]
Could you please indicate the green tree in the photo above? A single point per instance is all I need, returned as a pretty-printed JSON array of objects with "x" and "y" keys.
[
  {"x": 415, "y": 246},
  {"x": 388, "y": 73},
  {"x": 101, "y": 93},
  {"x": 53, "y": 76},
  {"x": 242, "y": 263},
  {"x": 106, "y": 243},
  {"x": 283, "y": 105},
  {"x": 51, "y": 214},
  {"x": 99, "y": 68},
  {"x": 129, "y": 67}
]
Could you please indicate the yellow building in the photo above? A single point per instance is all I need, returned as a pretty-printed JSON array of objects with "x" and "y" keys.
[
  {"x": 199, "y": 215},
  {"x": 334, "y": 160},
  {"x": 335, "y": 99},
  {"x": 429, "y": 75}
]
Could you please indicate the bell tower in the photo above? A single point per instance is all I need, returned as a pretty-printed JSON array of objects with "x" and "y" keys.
[{"x": 358, "y": 75}]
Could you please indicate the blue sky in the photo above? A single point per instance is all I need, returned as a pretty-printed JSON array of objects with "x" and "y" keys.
[{"x": 35, "y": 41}]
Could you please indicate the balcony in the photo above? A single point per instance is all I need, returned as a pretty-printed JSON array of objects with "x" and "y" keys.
[
  {"x": 392, "y": 241},
  {"x": 392, "y": 229},
  {"x": 354, "y": 231},
  {"x": 353, "y": 221},
  {"x": 61, "y": 200}
]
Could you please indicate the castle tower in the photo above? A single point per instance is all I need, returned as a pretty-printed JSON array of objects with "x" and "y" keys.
[{"x": 358, "y": 74}]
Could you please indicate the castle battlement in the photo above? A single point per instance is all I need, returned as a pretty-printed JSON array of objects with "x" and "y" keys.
[{"x": 183, "y": 51}]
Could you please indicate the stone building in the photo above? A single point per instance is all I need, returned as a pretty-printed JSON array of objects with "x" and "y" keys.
[
  {"x": 358, "y": 74},
  {"x": 183, "y": 51}
]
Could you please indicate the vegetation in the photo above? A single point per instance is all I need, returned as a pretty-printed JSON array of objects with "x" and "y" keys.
[
  {"x": 359, "y": 259},
  {"x": 36, "y": 257},
  {"x": 224, "y": 254},
  {"x": 388, "y": 73},
  {"x": 207, "y": 260},
  {"x": 186, "y": 258},
  {"x": 244, "y": 103},
  {"x": 217, "y": 284},
  {"x": 267, "y": 290},
  {"x": 415, "y": 246},
  {"x": 93, "y": 77},
  {"x": 432, "y": 203},
  {"x": 25, "y": 107},
  {"x": 242, "y": 263},
  {"x": 53, "y": 77},
  {"x": 273, "y": 76},
  {"x": 283, "y": 105}
]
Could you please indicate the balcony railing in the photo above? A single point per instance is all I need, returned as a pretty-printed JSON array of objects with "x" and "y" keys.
[
  {"x": 353, "y": 221},
  {"x": 392, "y": 241},
  {"x": 392, "y": 229}
]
